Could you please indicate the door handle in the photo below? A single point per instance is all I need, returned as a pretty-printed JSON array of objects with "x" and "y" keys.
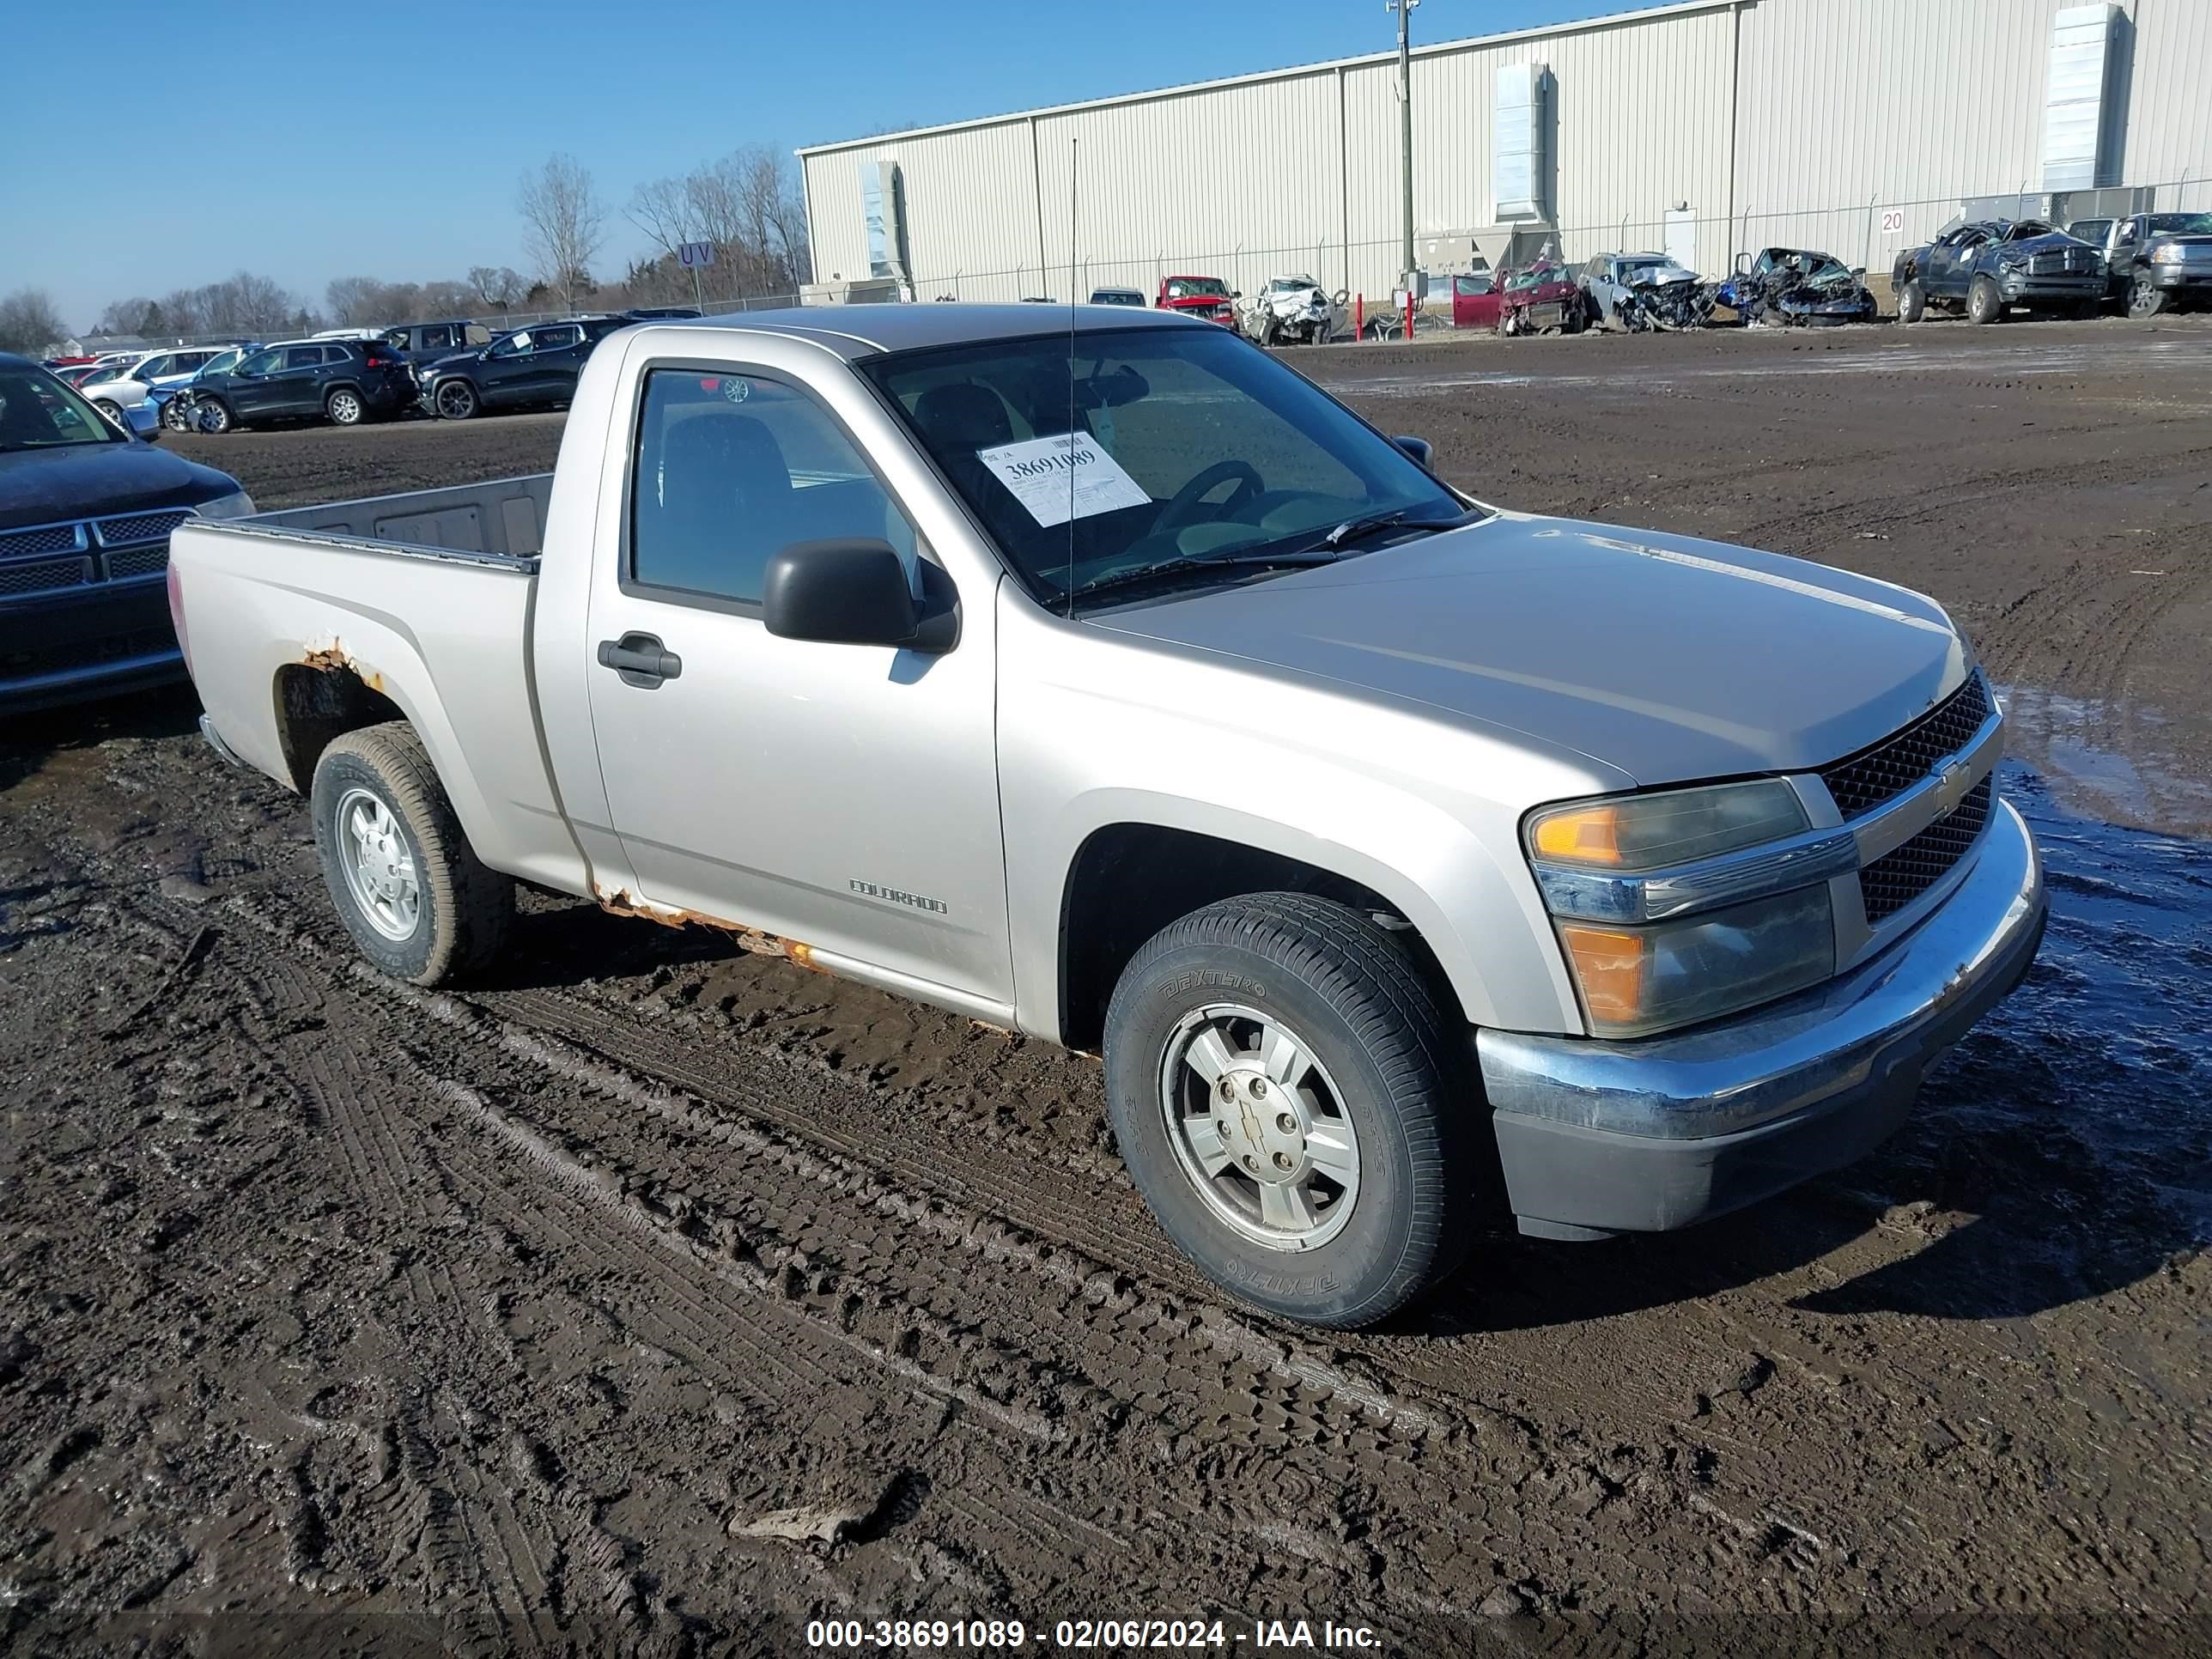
[{"x": 639, "y": 659}]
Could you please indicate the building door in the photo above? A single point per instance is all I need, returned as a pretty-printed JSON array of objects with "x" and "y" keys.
[{"x": 1683, "y": 238}]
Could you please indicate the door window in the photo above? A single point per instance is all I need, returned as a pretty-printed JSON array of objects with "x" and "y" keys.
[
  {"x": 514, "y": 345},
  {"x": 303, "y": 357},
  {"x": 262, "y": 363},
  {"x": 729, "y": 471},
  {"x": 554, "y": 339}
]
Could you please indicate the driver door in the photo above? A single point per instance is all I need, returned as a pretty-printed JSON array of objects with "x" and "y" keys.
[
  {"x": 505, "y": 374},
  {"x": 841, "y": 795}
]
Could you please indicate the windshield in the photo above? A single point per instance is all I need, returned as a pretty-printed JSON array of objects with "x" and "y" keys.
[
  {"x": 37, "y": 411},
  {"x": 1535, "y": 276},
  {"x": 1197, "y": 288},
  {"x": 2180, "y": 224},
  {"x": 1188, "y": 444}
]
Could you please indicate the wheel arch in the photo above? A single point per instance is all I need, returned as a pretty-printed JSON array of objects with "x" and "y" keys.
[{"x": 1132, "y": 873}]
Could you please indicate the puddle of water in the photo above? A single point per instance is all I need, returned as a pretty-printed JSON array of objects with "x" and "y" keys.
[
  {"x": 2093, "y": 1081},
  {"x": 2069, "y": 737}
]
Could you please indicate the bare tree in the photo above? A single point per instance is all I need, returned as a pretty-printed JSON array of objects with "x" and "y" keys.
[
  {"x": 30, "y": 324},
  {"x": 497, "y": 285},
  {"x": 746, "y": 205},
  {"x": 563, "y": 224}
]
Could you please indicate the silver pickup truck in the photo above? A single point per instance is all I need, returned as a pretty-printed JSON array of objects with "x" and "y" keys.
[{"x": 1098, "y": 676}]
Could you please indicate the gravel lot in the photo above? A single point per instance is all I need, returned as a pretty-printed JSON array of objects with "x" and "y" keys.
[{"x": 652, "y": 1299}]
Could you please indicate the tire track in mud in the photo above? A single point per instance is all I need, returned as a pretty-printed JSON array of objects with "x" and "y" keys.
[{"x": 1506, "y": 1461}]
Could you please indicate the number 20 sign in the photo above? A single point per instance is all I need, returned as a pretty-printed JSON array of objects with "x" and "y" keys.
[{"x": 1893, "y": 221}]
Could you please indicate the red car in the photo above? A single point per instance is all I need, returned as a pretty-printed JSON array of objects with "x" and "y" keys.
[
  {"x": 1543, "y": 299},
  {"x": 1199, "y": 296}
]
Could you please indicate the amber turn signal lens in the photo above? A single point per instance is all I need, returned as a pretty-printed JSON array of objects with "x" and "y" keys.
[
  {"x": 1589, "y": 836},
  {"x": 1609, "y": 968}
]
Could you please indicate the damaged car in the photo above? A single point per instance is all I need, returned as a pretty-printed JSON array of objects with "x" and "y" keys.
[
  {"x": 1296, "y": 310},
  {"x": 1792, "y": 287},
  {"x": 1544, "y": 299},
  {"x": 1987, "y": 268},
  {"x": 1640, "y": 292}
]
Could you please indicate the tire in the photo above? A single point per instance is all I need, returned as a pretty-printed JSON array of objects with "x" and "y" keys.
[
  {"x": 345, "y": 408},
  {"x": 2145, "y": 297},
  {"x": 454, "y": 400},
  {"x": 444, "y": 914},
  {"x": 1387, "y": 1071},
  {"x": 213, "y": 417},
  {"x": 1911, "y": 303},
  {"x": 172, "y": 417},
  {"x": 1984, "y": 304}
]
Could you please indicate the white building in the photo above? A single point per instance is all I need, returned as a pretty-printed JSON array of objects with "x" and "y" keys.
[{"x": 1706, "y": 126}]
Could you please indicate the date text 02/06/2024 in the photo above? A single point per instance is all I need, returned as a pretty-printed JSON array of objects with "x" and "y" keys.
[{"x": 1109, "y": 1634}]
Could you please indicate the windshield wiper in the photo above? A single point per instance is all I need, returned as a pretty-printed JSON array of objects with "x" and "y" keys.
[
  {"x": 1360, "y": 525},
  {"x": 1168, "y": 570}
]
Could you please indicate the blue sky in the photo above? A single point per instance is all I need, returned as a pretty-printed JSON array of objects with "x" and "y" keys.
[{"x": 326, "y": 140}]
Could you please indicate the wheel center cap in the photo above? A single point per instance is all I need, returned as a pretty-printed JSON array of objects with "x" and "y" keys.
[{"x": 1260, "y": 1125}]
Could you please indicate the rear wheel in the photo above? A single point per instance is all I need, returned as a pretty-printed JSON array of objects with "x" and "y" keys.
[
  {"x": 2145, "y": 297},
  {"x": 1293, "y": 1099},
  {"x": 1911, "y": 303},
  {"x": 416, "y": 899},
  {"x": 1984, "y": 303},
  {"x": 454, "y": 400},
  {"x": 344, "y": 407}
]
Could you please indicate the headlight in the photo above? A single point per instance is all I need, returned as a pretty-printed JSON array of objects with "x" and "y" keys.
[
  {"x": 2167, "y": 253},
  {"x": 1633, "y": 981},
  {"x": 237, "y": 505},
  {"x": 1689, "y": 903},
  {"x": 1631, "y": 833}
]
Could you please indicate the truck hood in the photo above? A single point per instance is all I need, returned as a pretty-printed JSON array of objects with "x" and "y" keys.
[
  {"x": 45, "y": 486},
  {"x": 1667, "y": 658}
]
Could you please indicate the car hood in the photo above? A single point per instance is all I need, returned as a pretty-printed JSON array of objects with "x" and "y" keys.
[
  {"x": 2049, "y": 242},
  {"x": 1543, "y": 293},
  {"x": 1198, "y": 302},
  {"x": 1665, "y": 657},
  {"x": 43, "y": 486}
]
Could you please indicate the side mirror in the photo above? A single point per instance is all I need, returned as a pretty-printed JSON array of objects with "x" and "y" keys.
[
  {"x": 1235, "y": 293},
  {"x": 1418, "y": 449},
  {"x": 1859, "y": 271},
  {"x": 851, "y": 592}
]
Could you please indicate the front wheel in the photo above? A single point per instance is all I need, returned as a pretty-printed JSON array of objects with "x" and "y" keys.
[
  {"x": 345, "y": 408},
  {"x": 1984, "y": 303},
  {"x": 1911, "y": 303},
  {"x": 410, "y": 890},
  {"x": 2145, "y": 297},
  {"x": 1294, "y": 1100},
  {"x": 212, "y": 415},
  {"x": 454, "y": 400}
]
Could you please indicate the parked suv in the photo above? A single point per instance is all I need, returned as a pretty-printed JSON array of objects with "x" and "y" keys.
[
  {"x": 531, "y": 368},
  {"x": 430, "y": 341},
  {"x": 1987, "y": 268},
  {"x": 2154, "y": 261},
  {"x": 343, "y": 381}
]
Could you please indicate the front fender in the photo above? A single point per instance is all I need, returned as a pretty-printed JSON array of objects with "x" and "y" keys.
[{"x": 1096, "y": 730}]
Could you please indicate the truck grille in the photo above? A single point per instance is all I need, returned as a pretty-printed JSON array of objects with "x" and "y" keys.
[
  {"x": 1895, "y": 879},
  {"x": 133, "y": 545},
  {"x": 1892, "y": 766},
  {"x": 38, "y": 575},
  {"x": 140, "y": 527},
  {"x": 46, "y": 538},
  {"x": 2056, "y": 262}
]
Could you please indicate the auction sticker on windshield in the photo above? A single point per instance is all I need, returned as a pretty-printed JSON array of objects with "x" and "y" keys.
[{"x": 1063, "y": 476}]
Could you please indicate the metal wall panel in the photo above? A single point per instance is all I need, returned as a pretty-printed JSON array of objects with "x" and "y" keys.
[{"x": 1858, "y": 126}]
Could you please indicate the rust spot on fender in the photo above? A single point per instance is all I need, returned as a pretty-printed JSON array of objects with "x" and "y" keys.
[
  {"x": 620, "y": 901},
  {"x": 334, "y": 657}
]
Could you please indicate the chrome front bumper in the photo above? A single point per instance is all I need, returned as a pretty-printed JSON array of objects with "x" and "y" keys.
[{"x": 1645, "y": 1136}]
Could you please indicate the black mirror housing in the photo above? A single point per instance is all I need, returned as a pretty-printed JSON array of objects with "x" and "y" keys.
[
  {"x": 1418, "y": 449},
  {"x": 850, "y": 590}
]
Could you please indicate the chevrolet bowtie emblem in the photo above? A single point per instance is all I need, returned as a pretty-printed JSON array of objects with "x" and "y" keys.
[{"x": 1950, "y": 788}]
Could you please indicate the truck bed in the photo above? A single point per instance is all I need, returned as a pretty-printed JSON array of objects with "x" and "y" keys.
[{"x": 424, "y": 600}]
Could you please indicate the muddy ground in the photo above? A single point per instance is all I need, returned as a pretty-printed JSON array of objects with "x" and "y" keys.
[{"x": 652, "y": 1299}]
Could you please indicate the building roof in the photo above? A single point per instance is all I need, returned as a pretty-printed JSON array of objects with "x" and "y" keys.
[
  {"x": 861, "y": 331},
  {"x": 1611, "y": 20}
]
